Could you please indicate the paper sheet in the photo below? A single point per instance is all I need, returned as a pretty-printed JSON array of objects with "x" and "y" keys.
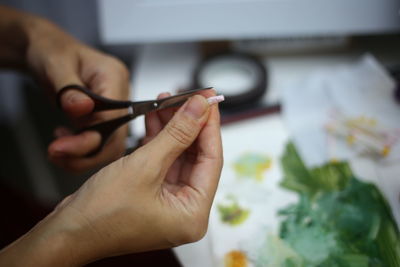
[
  {"x": 265, "y": 137},
  {"x": 360, "y": 89}
]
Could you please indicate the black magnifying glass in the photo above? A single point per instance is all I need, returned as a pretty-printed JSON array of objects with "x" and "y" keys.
[{"x": 241, "y": 78}]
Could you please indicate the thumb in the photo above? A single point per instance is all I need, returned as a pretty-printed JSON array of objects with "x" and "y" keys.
[
  {"x": 73, "y": 102},
  {"x": 76, "y": 104},
  {"x": 180, "y": 132}
]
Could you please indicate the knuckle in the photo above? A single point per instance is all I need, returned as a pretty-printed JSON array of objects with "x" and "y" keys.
[
  {"x": 180, "y": 132},
  {"x": 123, "y": 70},
  {"x": 51, "y": 62},
  {"x": 50, "y": 66},
  {"x": 119, "y": 66}
]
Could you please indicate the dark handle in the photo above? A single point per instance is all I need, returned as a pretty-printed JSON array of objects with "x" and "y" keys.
[
  {"x": 100, "y": 103},
  {"x": 105, "y": 129}
]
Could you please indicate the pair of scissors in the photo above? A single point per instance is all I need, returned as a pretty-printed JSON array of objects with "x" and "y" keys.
[{"x": 135, "y": 109}]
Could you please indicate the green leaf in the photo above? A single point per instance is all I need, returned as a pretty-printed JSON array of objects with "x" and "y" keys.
[
  {"x": 296, "y": 175},
  {"x": 329, "y": 177},
  {"x": 339, "y": 220}
]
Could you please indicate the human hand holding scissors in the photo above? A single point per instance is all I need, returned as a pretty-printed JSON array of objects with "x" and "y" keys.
[{"x": 106, "y": 128}]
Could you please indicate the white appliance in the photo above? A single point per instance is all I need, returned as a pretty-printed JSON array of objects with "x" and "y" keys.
[{"x": 144, "y": 21}]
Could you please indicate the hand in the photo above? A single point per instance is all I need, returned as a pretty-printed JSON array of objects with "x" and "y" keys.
[
  {"x": 159, "y": 196},
  {"x": 57, "y": 60}
]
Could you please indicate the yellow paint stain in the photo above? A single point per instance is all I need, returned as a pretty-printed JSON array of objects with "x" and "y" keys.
[
  {"x": 235, "y": 258},
  {"x": 350, "y": 139},
  {"x": 362, "y": 121},
  {"x": 385, "y": 151},
  {"x": 252, "y": 165},
  {"x": 233, "y": 214}
]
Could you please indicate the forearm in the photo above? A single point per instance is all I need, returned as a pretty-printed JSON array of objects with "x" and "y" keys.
[
  {"x": 18, "y": 31},
  {"x": 13, "y": 37},
  {"x": 55, "y": 241}
]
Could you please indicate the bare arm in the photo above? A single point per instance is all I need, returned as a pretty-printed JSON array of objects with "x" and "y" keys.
[
  {"x": 159, "y": 196},
  {"x": 35, "y": 45},
  {"x": 13, "y": 37}
]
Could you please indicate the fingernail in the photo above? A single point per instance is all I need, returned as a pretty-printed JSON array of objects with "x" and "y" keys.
[
  {"x": 215, "y": 99},
  {"x": 196, "y": 106},
  {"x": 163, "y": 95},
  {"x": 76, "y": 98}
]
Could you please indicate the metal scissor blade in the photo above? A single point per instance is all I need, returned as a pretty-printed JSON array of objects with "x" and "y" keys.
[{"x": 144, "y": 107}]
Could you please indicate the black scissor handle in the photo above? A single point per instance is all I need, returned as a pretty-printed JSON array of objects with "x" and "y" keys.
[
  {"x": 100, "y": 103},
  {"x": 106, "y": 129}
]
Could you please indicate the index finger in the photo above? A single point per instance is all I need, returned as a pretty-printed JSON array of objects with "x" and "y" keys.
[{"x": 207, "y": 171}]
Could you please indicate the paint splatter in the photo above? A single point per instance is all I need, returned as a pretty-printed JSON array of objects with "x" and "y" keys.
[
  {"x": 252, "y": 165},
  {"x": 235, "y": 258},
  {"x": 362, "y": 134},
  {"x": 232, "y": 213}
]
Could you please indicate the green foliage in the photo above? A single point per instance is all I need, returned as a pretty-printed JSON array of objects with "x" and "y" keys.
[
  {"x": 339, "y": 220},
  {"x": 329, "y": 177}
]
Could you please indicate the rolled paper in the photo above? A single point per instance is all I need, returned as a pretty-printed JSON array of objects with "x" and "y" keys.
[{"x": 215, "y": 99}]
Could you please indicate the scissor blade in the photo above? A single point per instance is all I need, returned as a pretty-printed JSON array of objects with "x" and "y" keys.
[
  {"x": 168, "y": 102},
  {"x": 179, "y": 99}
]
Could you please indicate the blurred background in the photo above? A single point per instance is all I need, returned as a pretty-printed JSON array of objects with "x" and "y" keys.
[{"x": 247, "y": 49}]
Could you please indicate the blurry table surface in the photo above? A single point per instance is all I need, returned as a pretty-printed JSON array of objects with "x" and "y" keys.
[{"x": 168, "y": 67}]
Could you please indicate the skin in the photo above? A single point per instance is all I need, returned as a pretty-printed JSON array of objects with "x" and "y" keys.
[
  {"x": 157, "y": 197},
  {"x": 56, "y": 59}
]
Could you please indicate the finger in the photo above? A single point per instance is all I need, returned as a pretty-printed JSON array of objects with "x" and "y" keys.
[
  {"x": 153, "y": 122},
  {"x": 209, "y": 158},
  {"x": 179, "y": 133},
  {"x": 75, "y": 145},
  {"x": 111, "y": 151},
  {"x": 79, "y": 165},
  {"x": 62, "y": 131},
  {"x": 76, "y": 165},
  {"x": 73, "y": 102},
  {"x": 208, "y": 93},
  {"x": 166, "y": 114},
  {"x": 110, "y": 79},
  {"x": 76, "y": 104}
]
